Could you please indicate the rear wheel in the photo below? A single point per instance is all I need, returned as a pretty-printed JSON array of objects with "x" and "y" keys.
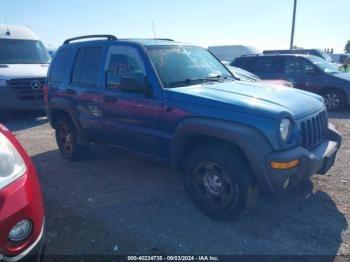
[
  {"x": 334, "y": 99},
  {"x": 67, "y": 140},
  {"x": 219, "y": 182}
]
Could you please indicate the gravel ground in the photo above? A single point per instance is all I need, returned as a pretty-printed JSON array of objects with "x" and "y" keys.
[{"x": 118, "y": 203}]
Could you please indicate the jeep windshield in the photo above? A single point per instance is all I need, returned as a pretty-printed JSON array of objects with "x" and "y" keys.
[
  {"x": 187, "y": 65},
  {"x": 324, "y": 65},
  {"x": 15, "y": 51}
]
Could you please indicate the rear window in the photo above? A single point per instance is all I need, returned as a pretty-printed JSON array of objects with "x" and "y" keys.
[
  {"x": 262, "y": 64},
  {"x": 59, "y": 66},
  {"x": 86, "y": 66}
]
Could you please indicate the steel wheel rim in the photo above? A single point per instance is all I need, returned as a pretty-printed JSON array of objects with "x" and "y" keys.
[
  {"x": 66, "y": 139},
  {"x": 213, "y": 185},
  {"x": 332, "y": 100}
]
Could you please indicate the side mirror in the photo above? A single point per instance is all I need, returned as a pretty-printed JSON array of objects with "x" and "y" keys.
[{"x": 135, "y": 84}]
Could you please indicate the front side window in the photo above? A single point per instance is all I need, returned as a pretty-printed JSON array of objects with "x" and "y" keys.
[
  {"x": 15, "y": 51},
  {"x": 123, "y": 62},
  {"x": 86, "y": 66},
  {"x": 186, "y": 65},
  {"x": 297, "y": 65}
]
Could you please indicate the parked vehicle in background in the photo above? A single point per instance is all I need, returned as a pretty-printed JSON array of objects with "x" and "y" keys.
[
  {"x": 315, "y": 52},
  {"x": 51, "y": 51},
  {"x": 176, "y": 102},
  {"x": 340, "y": 58},
  {"x": 305, "y": 72},
  {"x": 21, "y": 206},
  {"x": 23, "y": 68},
  {"x": 244, "y": 75},
  {"x": 228, "y": 53}
]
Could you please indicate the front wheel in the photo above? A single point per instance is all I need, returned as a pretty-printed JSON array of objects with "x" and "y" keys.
[
  {"x": 219, "y": 182},
  {"x": 334, "y": 99}
]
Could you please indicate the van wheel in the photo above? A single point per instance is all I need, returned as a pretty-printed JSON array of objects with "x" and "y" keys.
[
  {"x": 219, "y": 182},
  {"x": 334, "y": 99},
  {"x": 67, "y": 140}
]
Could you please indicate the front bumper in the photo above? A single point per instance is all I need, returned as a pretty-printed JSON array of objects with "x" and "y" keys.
[
  {"x": 10, "y": 100},
  {"x": 33, "y": 253},
  {"x": 319, "y": 160}
]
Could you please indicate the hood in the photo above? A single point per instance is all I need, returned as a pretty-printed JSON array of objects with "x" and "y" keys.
[
  {"x": 13, "y": 71},
  {"x": 260, "y": 98},
  {"x": 344, "y": 76}
]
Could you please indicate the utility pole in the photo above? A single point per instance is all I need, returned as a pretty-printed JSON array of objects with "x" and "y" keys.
[{"x": 293, "y": 25}]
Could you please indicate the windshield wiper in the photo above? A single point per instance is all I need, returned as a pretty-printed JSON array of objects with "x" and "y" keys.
[{"x": 189, "y": 81}]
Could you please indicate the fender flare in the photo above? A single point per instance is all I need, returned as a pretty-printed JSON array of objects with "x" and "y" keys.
[
  {"x": 251, "y": 141},
  {"x": 62, "y": 104}
]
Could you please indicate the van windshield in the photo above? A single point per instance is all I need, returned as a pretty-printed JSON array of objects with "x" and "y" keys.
[
  {"x": 187, "y": 65},
  {"x": 326, "y": 56},
  {"x": 16, "y": 51},
  {"x": 324, "y": 65}
]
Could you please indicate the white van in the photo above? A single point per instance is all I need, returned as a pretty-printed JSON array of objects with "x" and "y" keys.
[
  {"x": 24, "y": 63},
  {"x": 228, "y": 53}
]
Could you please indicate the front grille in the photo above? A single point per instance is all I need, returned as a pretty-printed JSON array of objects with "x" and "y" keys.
[
  {"x": 314, "y": 129},
  {"x": 27, "y": 89}
]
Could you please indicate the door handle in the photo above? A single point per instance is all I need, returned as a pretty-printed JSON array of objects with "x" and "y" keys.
[
  {"x": 109, "y": 99},
  {"x": 70, "y": 91}
]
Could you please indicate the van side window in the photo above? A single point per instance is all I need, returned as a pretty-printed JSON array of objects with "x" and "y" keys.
[
  {"x": 59, "y": 66},
  {"x": 86, "y": 66},
  {"x": 122, "y": 61},
  {"x": 296, "y": 65},
  {"x": 269, "y": 65}
]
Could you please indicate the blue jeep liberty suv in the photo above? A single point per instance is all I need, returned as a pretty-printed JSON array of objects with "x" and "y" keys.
[{"x": 176, "y": 102}]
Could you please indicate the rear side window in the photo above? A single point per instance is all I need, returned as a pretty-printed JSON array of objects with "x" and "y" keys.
[
  {"x": 245, "y": 63},
  {"x": 86, "y": 66},
  {"x": 271, "y": 65},
  {"x": 59, "y": 66}
]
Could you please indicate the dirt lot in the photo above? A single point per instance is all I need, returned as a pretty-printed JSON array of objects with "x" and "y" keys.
[{"x": 118, "y": 203}]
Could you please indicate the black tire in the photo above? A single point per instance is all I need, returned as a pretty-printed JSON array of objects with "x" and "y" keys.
[
  {"x": 334, "y": 99},
  {"x": 219, "y": 181},
  {"x": 67, "y": 140}
]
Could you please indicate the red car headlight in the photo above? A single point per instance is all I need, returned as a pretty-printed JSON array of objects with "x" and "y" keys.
[{"x": 12, "y": 165}]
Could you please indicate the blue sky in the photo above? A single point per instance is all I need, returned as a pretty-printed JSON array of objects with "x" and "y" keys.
[{"x": 261, "y": 23}]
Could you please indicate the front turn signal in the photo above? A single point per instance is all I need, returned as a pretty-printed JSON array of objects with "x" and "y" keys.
[{"x": 285, "y": 165}]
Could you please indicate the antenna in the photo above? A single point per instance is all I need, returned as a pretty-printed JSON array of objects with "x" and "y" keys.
[
  {"x": 154, "y": 31},
  {"x": 7, "y": 27}
]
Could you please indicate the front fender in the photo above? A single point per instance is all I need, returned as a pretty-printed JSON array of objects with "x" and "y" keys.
[{"x": 251, "y": 141}]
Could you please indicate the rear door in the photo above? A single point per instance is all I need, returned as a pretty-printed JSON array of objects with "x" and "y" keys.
[{"x": 85, "y": 88}]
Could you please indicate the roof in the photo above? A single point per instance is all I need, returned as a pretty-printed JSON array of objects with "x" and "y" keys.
[
  {"x": 111, "y": 38},
  {"x": 17, "y": 32},
  {"x": 153, "y": 42},
  {"x": 272, "y": 54}
]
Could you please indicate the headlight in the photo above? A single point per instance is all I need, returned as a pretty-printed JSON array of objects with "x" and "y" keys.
[
  {"x": 285, "y": 128},
  {"x": 12, "y": 165},
  {"x": 2, "y": 82}
]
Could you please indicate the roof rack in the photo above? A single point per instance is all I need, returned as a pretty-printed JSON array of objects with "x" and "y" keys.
[
  {"x": 109, "y": 37},
  {"x": 165, "y": 39}
]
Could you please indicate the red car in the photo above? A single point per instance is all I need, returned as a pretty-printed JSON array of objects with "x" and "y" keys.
[{"x": 21, "y": 207}]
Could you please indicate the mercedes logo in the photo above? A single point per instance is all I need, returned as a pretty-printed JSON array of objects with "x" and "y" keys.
[{"x": 35, "y": 84}]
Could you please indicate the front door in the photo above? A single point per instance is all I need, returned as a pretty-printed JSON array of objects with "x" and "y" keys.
[
  {"x": 131, "y": 119},
  {"x": 302, "y": 74}
]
